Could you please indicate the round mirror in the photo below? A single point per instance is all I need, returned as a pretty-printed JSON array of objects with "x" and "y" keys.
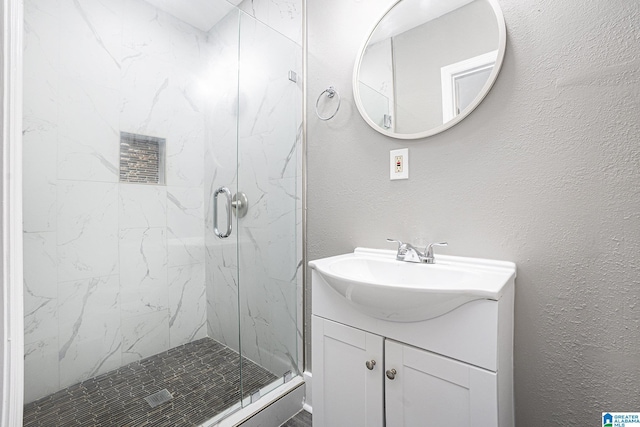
[{"x": 427, "y": 64}]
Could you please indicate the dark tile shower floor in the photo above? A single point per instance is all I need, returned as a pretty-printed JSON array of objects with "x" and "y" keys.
[{"x": 203, "y": 377}]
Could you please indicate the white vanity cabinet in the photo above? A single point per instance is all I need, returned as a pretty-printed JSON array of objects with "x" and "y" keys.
[
  {"x": 429, "y": 389},
  {"x": 352, "y": 394},
  {"x": 358, "y": 374},
  {"x": 455, "y": 369}
]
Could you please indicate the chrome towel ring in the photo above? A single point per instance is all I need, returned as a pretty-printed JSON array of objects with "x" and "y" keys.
[{"x": 331, "y": 92}]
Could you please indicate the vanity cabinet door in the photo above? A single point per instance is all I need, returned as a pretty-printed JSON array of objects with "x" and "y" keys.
[
  {"x": 431, "y": 390},
  {"x": 346, "y": 392}
]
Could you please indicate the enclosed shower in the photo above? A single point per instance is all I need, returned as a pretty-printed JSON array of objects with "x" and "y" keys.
[{"x": 162, "y": 208}]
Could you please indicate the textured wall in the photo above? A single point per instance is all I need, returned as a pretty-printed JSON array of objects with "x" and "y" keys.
[{"x": 545, "y": 173}]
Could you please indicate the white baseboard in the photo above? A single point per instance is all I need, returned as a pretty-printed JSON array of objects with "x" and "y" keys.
[{"x": 308, "y": 401}]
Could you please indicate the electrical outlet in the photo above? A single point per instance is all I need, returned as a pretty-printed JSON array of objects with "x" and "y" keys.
[
  {"x": 399, "y": 168},
  {"x": 398, "y": 162}
]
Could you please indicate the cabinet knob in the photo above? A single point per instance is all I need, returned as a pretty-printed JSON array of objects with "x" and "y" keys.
[
  {"x": 370, "y": 364},
  {"x": 391, "y": 374}
]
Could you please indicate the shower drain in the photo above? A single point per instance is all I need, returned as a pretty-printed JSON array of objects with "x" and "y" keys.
[{"x": 158, "y": 398}]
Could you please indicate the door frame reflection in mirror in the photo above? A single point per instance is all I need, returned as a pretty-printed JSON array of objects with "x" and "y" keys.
[
  {"x": 449, "y": 75},
  {"x": 499, "y": 57}
]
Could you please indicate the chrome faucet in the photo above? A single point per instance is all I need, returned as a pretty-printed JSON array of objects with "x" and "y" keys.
[{"x": 407, "y": 252}]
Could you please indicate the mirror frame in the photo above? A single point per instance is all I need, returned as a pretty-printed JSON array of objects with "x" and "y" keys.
[{"x": 502, "y": 44}]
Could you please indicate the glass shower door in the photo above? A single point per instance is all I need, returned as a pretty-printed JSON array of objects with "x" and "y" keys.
[
  {"x": 269, "y": 170},
  {"x": 220, "y": 182},
  {"x": 252, "y": 154}
]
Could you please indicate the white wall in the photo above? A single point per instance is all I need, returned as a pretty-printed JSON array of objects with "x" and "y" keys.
[
  {"x": 11, "y": 309},
  {"x": 4, "y": 304},
  {"x": 544, "y": 173}
]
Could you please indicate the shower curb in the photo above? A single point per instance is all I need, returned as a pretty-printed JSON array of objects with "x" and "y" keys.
[{"x": 272, "y": 409}]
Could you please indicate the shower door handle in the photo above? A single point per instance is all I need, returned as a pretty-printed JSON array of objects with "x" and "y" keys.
[{"x": 227, "y": 194}]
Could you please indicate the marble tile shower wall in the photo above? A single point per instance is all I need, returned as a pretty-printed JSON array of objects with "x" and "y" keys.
[
  {"x": 221, "y": 139},
  {"x": 283, "y": 16},
  {"x": 267, "y": 251},
  {"x": 113, "y": 272}
]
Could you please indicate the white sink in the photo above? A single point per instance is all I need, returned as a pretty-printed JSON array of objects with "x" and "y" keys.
[{"x": 378, "y": 285}]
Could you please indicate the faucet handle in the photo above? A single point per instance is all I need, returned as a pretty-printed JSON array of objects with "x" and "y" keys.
[
  {"x": 428, "y": 251},
  {"x": 402, "y": 249},
  {"x": 395, "y": 241}
]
